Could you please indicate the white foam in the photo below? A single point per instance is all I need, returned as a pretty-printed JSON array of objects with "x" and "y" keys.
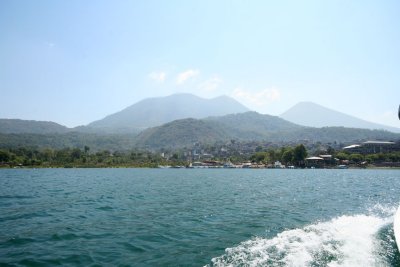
[
  {"x": 396, "y": 227},
  {"x": 343, "y": 241}
]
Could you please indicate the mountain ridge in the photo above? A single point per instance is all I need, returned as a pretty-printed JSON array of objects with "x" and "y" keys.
[
  {"x": 16, "y": 126},
  {"x": 314, "y": 115},
  {"x": 246, "y": 127},
  {"x": 185, "y": 132},
  {"x": 156, "y": 111}
]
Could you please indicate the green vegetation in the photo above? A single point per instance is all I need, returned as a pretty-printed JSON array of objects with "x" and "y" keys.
[
  {"x": 86, "y": 157},
  {"x": 248, "y": 127},
  {"x": 96, "y": 142},
  {"x": 296, "y": 156},
  {"x": 242, "y": 127},
  {"x": 287, "y": 155},
  {"x": 75, "y": 157},
  {"x": 237, "y": 137},
  {"x": 36, "y": 127},
  {"x": 181, "y": 133},
  {"x": 370, "y": 158}
]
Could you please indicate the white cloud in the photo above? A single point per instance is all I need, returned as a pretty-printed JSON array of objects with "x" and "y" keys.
[
  {"x": 211, "y": 84},
  {"x": 259, "y": 98},
  {"x": 184, "y": 76},
  {"x": 158, "y": 76}
]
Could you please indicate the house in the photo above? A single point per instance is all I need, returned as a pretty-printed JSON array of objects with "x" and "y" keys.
[
  {"x": 315, "y": 162},
  {"x": 279, "y": 165},
  {"x": 328, "y": 159}
]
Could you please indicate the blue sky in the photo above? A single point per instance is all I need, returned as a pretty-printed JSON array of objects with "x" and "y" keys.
[{"x": 74, "y": 62}]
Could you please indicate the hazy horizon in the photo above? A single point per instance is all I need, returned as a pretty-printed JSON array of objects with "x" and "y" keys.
[
  {"x": 76, "y": 62},
  {"x": 309, "y": 121}
]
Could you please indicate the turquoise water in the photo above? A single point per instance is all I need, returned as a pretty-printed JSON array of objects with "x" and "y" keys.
[{"x": 197, "y": 217}]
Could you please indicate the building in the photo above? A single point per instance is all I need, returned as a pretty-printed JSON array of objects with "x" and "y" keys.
[
  {"x": 353, "y": 148},
  {"x": 315, "y": 162},
  {"x": 373, "y": 147}
]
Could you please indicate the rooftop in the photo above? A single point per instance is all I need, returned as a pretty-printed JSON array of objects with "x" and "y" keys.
[
  {"x": 351, "y": 146},
  {"x": 325, "y": 156},
  {"x": 379, "y": 143},
  {"x": 314, "y": 158}
]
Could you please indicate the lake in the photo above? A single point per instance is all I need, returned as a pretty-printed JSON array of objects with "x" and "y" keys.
[{"x": 197, "y": 217}]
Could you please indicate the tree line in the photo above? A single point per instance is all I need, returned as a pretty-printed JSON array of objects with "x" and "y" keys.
[
  {"x": 76, "y": 157},
  {"x": 287, "y": 155},
  {"x": 296, "y": 156},
  {"x": 84, "y": 157}
]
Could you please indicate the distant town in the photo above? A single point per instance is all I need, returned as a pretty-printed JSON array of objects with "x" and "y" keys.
[
  {"x": 187, "y": 131},
  {"x": 232, "y": 154}
]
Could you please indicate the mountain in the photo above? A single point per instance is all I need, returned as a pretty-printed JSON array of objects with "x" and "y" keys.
[
  {"x": 152, "y": 112},
  {"x": 180, "y": 133},
  {"x": 253, "y": 123},
  {"x": 249, "y": 126},
  {"x": 241, "y": 126},
  {"x": 314, "y": 115},
  {"x": 96, "y": 142},
  {"x": 16, "y": 126}
]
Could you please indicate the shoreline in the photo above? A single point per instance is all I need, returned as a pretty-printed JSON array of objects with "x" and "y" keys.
[{"x": 163, "y": 167}]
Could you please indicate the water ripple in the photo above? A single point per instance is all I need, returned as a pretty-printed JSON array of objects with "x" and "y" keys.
[{"x": 147, "y": 217}]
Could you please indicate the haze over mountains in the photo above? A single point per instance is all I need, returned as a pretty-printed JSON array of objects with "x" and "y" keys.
[
  {"x": 16, "y": 126},
  {"x": 157, "y": 111},
  {"x": 152, "y": 112},
  {"x": 241, "y": 126},
  {"x": 182, "y": 119},
  {"x": 249, "y": 126},
  {"x": 314, "y": 115}
]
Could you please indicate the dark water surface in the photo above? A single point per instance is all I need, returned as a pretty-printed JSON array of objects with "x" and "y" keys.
[{"x": 195, "y": 217}]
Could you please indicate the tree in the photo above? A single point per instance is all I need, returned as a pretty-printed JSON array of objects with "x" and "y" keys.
[
  {"x": 342, "y": 156},
  {"x": 258, "y": 157},
  {"x": 330, "y": 151},
  {"x": 299, "y": 154},
  {"x": 47, "y": 154},
  {"x": 287, "y": 156},
  {"x": 371, "y": 158},
  {"x": 394, "y": 157},
  {"x": 356, "y": 158},
  {"x": 76, "y": 153},
  {"x": 273, "y": 155},
  {"x": 4, "y": 156}
]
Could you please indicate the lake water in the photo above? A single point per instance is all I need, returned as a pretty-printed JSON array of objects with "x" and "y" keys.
[{"x": 197, "y": 217}]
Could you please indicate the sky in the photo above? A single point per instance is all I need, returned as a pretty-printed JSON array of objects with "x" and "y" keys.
[{"x": 74, "y": 62}]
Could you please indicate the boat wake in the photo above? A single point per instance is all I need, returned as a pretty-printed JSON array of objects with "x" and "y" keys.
[{"x": 356, "y": 240}]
